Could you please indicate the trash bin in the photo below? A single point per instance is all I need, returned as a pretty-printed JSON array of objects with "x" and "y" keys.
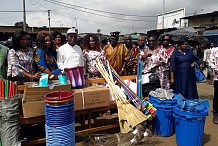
[
  {"x": 163, "y": 124},
  {"x": 189, "y": 126},
  {"x": 60, "y": 118}
]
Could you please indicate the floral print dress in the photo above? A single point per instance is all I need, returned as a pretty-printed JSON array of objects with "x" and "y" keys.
[
  {"x": 90, "y": 57},
  {"x": 164, "y": 56},
  {"x": 158, "y": 62}
]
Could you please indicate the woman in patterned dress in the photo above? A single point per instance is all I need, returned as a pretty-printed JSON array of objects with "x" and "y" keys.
[
  {"x": 165, "y": 51},
  {"x": 20, "y": 59},
  {"x": 92, "y": 51},
  {"x": 44, "y": 55}
]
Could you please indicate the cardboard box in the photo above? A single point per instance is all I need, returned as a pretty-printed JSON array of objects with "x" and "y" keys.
[
  {"x": 33, "y": 102},
  {"x": 91, "y": 97}
]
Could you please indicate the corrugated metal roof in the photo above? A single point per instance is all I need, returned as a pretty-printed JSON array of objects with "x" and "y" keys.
[
  {"x": 210, "y": 32},
  {"x": 215, "y": 13}
]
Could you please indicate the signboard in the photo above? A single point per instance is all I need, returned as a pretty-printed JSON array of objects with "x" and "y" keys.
[{"x": 171, "y": 19}]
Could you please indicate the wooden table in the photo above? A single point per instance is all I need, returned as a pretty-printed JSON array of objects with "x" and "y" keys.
[{"x": 84, "y": 113}]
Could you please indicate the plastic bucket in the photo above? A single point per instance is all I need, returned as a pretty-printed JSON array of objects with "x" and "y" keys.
[
  {"x": 60, "y": 118},
  {"x": 164, "y": 123},
  {"x": 76, "y": 76},
  {"x": 172, "y": 102},
  {"x": 60, "y": 136},
  {"x": 189, "y": 127}
]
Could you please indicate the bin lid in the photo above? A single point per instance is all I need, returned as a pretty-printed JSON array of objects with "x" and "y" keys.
[
  {"x": 167, "y": 101},
  {"x": 59, "y": 95},
  {"x": 184, "y": 113}
]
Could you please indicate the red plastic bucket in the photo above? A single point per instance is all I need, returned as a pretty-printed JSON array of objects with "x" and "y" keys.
[{"x": 59, "y": 97}]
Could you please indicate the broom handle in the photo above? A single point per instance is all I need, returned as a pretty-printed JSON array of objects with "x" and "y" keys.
[
  {"x": 127, "y": 89},
  {"x": 109, "y": 80},
  {"x": 112, "y": 86},
  {"x": 118, "y": 78}
]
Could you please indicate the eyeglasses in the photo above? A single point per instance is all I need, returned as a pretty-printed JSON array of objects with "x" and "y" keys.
[
  {"x": 25, "y": 39},
  {"x": 166, "y": 39},
  {"x": 72, "y": 36}
]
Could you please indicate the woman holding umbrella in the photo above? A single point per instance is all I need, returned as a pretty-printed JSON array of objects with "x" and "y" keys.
[{"x": 182, "y": 70}]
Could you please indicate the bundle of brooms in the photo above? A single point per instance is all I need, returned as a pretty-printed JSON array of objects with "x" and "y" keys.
[{"x": 129, "y": 116}]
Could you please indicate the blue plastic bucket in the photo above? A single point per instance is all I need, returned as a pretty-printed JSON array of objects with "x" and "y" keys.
[
  {"x": 60, "y": 119},
  {"x": 168, "y": 102},
  {"x": 60, "y": 136},
  {"x": 189, "y": 127},
  {"x": 164, "y": 123}
]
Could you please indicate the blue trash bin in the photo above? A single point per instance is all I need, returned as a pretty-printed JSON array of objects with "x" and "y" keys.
[
  {"x": 189, "y": 127},
  {"x": 163, "y": 124}
]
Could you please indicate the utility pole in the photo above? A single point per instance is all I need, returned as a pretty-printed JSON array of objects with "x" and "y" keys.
[
  {"x": 49, "y": 21},
  {"x": 76, "y": 22},
  {"x": 163, "y": 13},
  {"x": 24, "y": 16}
]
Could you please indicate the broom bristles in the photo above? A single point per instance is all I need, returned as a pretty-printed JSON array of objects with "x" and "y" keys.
[{"x": 129, "y": 116}]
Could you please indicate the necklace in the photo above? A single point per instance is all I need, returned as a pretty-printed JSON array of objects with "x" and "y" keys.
[{"x": 182, "y": 52}]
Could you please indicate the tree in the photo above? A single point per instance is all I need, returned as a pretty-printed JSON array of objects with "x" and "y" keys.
[{"x": 20, "y": 24}]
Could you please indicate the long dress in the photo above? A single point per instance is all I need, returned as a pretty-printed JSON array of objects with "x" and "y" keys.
[
  {"x": 184, "y": 73},
  {"x": 164, "y": 55}
]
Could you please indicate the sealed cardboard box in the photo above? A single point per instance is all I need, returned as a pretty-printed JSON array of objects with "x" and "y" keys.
[
  {"x": 33, "y": 102},
  {"x": 91, "y": 97}
]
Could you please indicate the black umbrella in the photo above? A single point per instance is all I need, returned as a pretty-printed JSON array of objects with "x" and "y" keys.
[{"x": 191, "y": 37}]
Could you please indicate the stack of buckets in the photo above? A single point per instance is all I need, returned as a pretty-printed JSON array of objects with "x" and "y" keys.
[
  {"x": 189, "y": 126},
  {"x": 60, "y": 120}
]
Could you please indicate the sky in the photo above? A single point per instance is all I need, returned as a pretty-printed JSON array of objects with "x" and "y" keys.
[{"x": 126, "y": 16}]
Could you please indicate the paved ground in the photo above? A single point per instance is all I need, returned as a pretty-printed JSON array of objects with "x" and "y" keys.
[{"x": 210, "y": 137}]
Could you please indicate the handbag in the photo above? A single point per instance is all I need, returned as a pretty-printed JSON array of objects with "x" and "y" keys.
[{"x": 198, "y": 73}]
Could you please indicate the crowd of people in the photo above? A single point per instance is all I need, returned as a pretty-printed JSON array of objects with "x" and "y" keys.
[{"x": 55, "y": 53}]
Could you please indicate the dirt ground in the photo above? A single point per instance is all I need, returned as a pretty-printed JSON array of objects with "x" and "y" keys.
[{"x": 210, "y": 137}]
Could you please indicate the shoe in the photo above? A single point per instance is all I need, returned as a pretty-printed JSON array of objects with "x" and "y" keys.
[
  {"x": 108, "y": 112},
  {"x": 215, "y": 119},
  {"x": 100, "y": 114}
]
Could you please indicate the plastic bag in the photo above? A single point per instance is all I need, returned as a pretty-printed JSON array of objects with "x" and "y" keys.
[
  {"x": 199, "y": 74},
  {"x": 9, "y": 120}
]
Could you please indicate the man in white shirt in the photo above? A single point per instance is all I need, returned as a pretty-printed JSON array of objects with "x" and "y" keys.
[
  {"x": 70, "y": 55},
  {"x": 206, "y": 59},
  {"x": 213, "y": 62},
  {"x": 70, "y": 59}
]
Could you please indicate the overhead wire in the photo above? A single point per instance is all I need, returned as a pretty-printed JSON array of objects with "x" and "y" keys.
[
  {"x": 86, "y": 8},
  {"x": 118, "y": 25},
  {"x": 63, "y": 5}
]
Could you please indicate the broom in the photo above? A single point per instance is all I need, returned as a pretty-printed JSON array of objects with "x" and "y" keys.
[
  {"x": 134, "y": 117},
  {"x": 124, "y": 127}
]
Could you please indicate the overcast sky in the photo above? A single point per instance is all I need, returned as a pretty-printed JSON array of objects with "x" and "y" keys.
[{"x": 89, "y": 16}]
